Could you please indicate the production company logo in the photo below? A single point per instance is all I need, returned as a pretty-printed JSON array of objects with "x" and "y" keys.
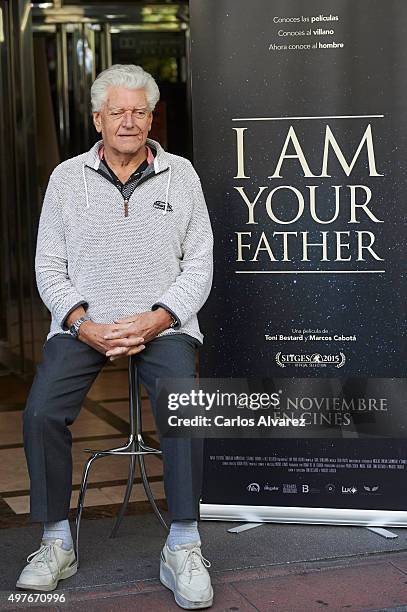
[
  {"x": 271, "y": 488},
  {"x": 352, "y": 490},
  {"x": 307, "y": 488},
  {"x": 314, "y": 360},
  {"x": 253, "y": 487},
  {"x": 290, "y": 488},
  {"x": 371, "y": 489}
]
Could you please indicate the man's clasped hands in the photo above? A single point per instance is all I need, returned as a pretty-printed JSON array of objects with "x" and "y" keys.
[{"x": 127, "y": 336}]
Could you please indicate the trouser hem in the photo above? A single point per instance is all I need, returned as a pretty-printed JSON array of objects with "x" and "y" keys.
[{"x": 41, "y": 518}]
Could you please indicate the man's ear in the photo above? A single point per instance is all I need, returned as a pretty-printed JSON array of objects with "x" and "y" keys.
[{"x": 97, "y": 121}]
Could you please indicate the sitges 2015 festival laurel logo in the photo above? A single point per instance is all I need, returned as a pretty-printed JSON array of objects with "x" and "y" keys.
[{"x": 314, "y": 360}]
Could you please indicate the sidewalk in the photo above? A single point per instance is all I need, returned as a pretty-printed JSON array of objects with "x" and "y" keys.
[{"x": 284, "y": 568}]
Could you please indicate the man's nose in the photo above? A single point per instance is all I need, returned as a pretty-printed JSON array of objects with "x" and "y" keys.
[{"x": 128, "y": 121}]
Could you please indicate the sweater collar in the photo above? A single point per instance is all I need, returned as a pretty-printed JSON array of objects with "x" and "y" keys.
[{"x": 160, "y": 161}]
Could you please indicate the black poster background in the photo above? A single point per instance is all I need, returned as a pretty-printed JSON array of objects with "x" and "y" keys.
[{"x": 237, "y": 74}]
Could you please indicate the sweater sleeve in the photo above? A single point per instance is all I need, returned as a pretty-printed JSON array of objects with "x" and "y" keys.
[
  {"x": 188, "y": 293},
  {"x": 51, "y": 263}
]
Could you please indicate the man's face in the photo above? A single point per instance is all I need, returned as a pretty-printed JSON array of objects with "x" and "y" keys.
[{"x": 124, "y": 120}]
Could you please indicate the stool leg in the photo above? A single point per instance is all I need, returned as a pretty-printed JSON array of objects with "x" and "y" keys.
[
  {"x": 81, "y": 500},
  {"x": 137, "y": 404},
  {"x": 148, "y": 491},
  {"x": 129, "y": 487}
]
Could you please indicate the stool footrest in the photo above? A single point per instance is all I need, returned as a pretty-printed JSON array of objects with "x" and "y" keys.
[{"x": 113, "y": 451}]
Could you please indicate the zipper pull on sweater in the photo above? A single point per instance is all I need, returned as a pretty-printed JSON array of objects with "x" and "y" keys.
[{"x": 126, "y": 208}]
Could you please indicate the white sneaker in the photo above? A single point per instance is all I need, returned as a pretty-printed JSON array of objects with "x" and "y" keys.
[
  {"x": 46, "y": 566},
  {"x": 184, "y": 572}
]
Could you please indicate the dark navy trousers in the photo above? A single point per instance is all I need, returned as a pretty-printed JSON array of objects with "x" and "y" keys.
[{"x": 61, "y": 383}]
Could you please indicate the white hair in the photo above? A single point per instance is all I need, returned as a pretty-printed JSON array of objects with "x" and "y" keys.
[{"x": 123, "y": 75}]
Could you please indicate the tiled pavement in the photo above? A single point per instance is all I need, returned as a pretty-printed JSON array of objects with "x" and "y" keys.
[
  {"x": 308, "y": 587},
  {"x": 372, "y": 585}
]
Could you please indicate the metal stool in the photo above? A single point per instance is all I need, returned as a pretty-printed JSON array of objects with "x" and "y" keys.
[{"x": 135, "y": 448}]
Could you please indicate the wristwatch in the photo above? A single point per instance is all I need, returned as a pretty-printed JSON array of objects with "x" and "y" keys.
[{"x": 74, "y": 328}]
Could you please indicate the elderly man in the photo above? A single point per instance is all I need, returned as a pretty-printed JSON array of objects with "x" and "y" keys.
[{"x": 123, "y": 263}]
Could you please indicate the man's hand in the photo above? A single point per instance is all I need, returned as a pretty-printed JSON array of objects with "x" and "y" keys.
[
  {"x": 124, "y": 332},
  {"x": 95, "y": 335}
]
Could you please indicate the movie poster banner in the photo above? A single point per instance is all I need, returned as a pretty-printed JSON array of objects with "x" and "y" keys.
[{"x": 300, "y": 140}]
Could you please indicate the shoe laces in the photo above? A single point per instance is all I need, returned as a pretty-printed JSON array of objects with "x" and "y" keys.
[
  {"x": 193, "y": 561},
  {"x": 42, "y": 556}
]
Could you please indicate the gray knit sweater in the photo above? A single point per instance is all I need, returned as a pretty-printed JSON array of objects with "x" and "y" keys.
[{"x": 90, "y": 253}]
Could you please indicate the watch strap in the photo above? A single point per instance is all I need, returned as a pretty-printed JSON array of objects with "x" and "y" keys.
[
  {"x": 174, "y": 321},
  {"x": 74, "y": 328}
]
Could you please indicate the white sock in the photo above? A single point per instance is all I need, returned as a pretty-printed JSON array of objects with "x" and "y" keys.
[
  {"x": 60, "y": 529},
  {"x": 183, "y": 532}
]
